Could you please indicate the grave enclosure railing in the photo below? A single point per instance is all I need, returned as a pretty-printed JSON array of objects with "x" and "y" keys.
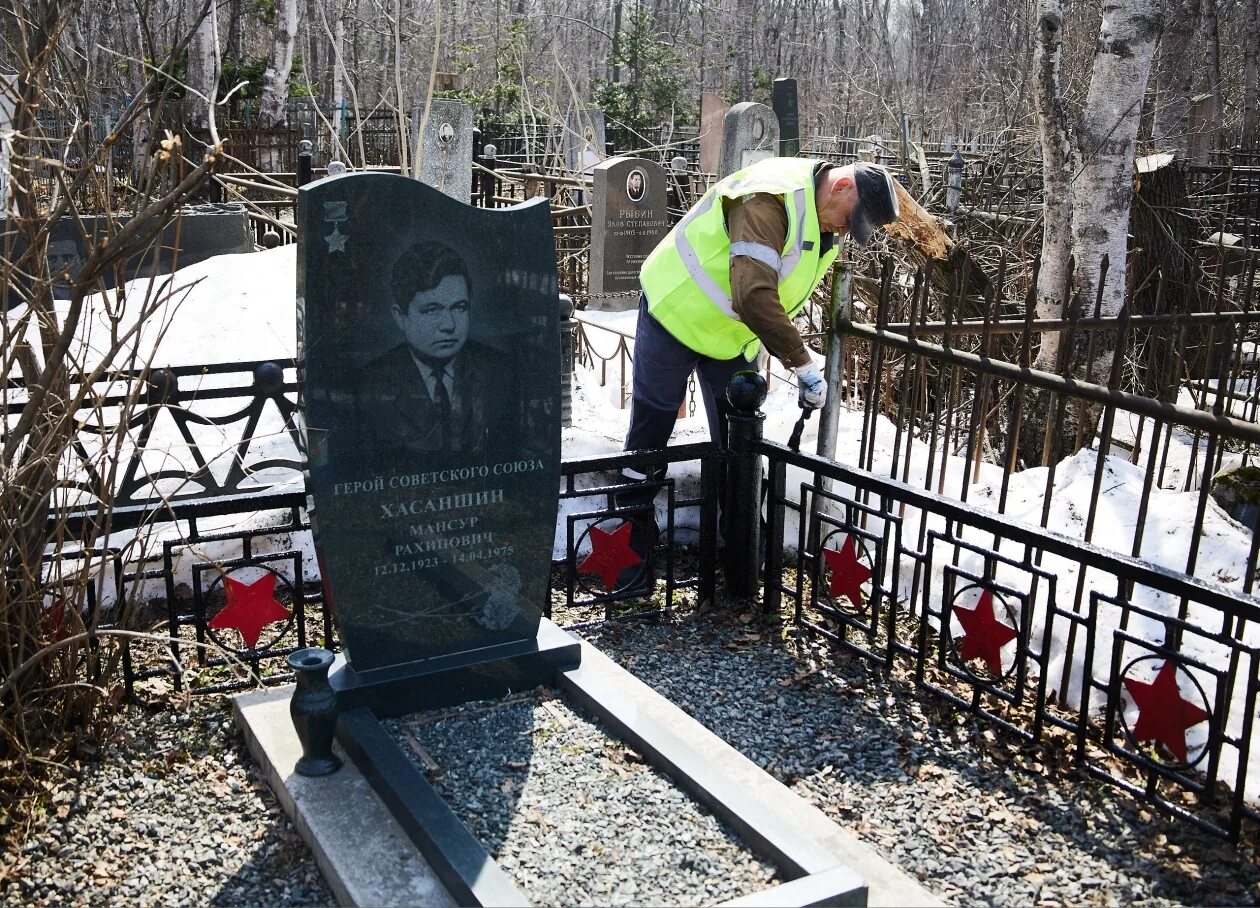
[
  {"x": 212, "y": 488},
  {"x": 962, "y": 407},
  {"x": 982, "y": 613},
  {"x": 928, "y": 507},
  {"x": 1074, "y": 618}
]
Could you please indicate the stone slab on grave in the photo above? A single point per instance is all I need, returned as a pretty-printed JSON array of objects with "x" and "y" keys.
[
  {"x": 443, "y": 155},
  {"x": 429, "y": 354},
  {"x": 750, "y": 133},
  {"x": 629, "y": 217},
  {"x": 200, "y": 232}
]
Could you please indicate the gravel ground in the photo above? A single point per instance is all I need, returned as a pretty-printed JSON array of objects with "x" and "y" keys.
[
  {"x": 973, "y": 817},
  {"x": 572, "y": 815},
  {"x": 177, "y": 813}
]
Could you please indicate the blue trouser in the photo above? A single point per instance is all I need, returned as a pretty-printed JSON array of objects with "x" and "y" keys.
[{"x": 662, "y": 366}]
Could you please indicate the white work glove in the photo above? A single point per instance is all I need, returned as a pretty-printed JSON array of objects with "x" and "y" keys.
[{"x": 813, "y": 388}]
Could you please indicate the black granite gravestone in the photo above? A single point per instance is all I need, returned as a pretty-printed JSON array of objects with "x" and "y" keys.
[
  {"x": 430, "y": 352},
  {"x": 785, "y": 108},
  {"x": 629, "y": 217}
]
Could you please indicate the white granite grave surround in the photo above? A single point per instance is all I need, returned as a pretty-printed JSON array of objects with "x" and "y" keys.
[
  {"x": 361, "y": 850},
  {"x": 365, "y": 856}
]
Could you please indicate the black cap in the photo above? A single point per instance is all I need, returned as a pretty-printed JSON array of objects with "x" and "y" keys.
[{"x": 877, "y": 201}]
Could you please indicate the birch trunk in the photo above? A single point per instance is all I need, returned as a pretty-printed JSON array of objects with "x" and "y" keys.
[
  {"x": 1102, "y": 193},
  {"x": 339, "y": 81},
  {"x": 1056, "y": 167},
  {"x": 201, "y": 72},
  {"x": 1174, "y": 74},
  {"x": 273, "y": 108},
  {"x": 1105, "y": 139},
  {"x": 271, "y": 111}
]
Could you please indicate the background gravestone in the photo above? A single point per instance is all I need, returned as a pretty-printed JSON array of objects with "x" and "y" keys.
[
  {"x": 713, "y": 110},
  {"x": 583, "y": 138},
  {"x": 201, "y": 232},
  {"x": 629, "y": 217},
  {"x": 750, "y": 134},
  {"x": 446, "y": 149},
  {"x": 433, "y": 512},
  {"x": 1202, "y": 123},
  {"x": 787, "y": 113}
]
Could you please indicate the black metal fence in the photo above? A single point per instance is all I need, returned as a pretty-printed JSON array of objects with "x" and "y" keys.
[
  {"x": 210, "y": 491},
  {"x": 1146, "y": 677},
  {"x": 910, "y": 558},
  {"x": 958, "y": 405}
]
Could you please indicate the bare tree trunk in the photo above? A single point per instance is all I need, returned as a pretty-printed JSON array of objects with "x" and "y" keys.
[
  {"x": 273, "y": 110},
  {"x": 339, "y": 79},
  {"x": 1174, "y": 75},
  {"x": 1102, "y": 193},
  {"x": 201, "y": 73},
  {"x": 1106, "y": 138},
  {"x": 745, "y": 50},
  {"x": 236, "y": 25},
  {"x": 1212, "y": 40},
  {"x": 1251, "y": 74},
  {"x": 275, "y": 95},
  {"x": 1056, "y": 167}
]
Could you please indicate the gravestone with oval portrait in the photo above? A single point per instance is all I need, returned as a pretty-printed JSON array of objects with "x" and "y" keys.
[
  {"x": 444, "y": 153},
  {"x": 629, "y": 217},
  {"x": 429, "y": 353},
  {"x": 583, "y": 138}
]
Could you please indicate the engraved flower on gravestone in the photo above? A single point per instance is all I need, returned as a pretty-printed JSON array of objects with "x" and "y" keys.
[{"x": 500, "y": 609}]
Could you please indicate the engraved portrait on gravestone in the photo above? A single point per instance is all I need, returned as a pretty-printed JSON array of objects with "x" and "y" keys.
[
  {"x": 436, "y": 390},
  {"x": 636, "y": 185},
  {"x": 65, "y": 258}
]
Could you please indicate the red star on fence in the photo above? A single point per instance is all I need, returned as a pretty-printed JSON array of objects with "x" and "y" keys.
[
  {"x": 610, "y": 554},
  {"x": 1163, "y": 714},
  {"x": 250, "y": 607},
  {"x": 847, "y": 572},
  {"x": 984, "y": 636},
  {"x": 55, "y": 622}
]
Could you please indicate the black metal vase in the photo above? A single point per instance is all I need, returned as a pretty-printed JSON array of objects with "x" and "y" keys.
[{"x": 314, "y": 711}]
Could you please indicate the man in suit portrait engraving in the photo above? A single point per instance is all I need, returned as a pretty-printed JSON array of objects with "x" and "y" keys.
[{"x": 436, "y": 391}]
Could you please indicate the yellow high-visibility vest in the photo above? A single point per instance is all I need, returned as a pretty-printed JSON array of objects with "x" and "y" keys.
[{"x": 687, "y": 277}]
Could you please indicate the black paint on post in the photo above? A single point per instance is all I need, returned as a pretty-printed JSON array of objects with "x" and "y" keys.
[
  {"x": 305, "y": 162},
  {"x": 788, "y": 114},
  {"x": 430, "y": 370},
  {"x": 746, "y": 393}
]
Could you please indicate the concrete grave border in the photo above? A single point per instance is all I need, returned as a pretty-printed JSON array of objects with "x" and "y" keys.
[{"x": 823, "y": 864}]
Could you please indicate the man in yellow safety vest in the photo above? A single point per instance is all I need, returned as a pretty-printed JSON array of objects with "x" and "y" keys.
[{"x": 730, "y": 277}]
